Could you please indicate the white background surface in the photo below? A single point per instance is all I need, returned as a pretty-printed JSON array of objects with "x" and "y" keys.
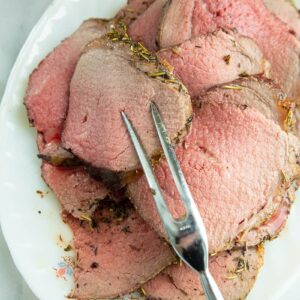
[{"x": 16, "y": 19}]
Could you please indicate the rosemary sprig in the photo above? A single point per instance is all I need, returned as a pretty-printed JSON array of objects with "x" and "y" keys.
[{"x": 118, "y": 33}]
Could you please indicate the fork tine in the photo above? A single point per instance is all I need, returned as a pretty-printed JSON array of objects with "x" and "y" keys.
[
  {"x": 178, "y": 177},
  {"x": 169, "y": 152},
  {"x": 162, "y": 208},
  {"x": 188, "y": 237}
]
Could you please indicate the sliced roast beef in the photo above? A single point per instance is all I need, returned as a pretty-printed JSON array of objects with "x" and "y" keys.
[
  {"x": 118, "y": 255},
  {"x": 144, "y": 28},
  {"x": 132, "y": 10},
  {"x": 113, "y": 75},
  {"x": 48, "y": 89},
  {"x": 176, "y": 17},
  {"x": 287, "y": 12},
  {"x": 48, "y": 103},
  {"x": 212, "y": 59},
  {"x": 259, "y": 93},
  {"x": 249, "y": 18},
  {"x": 272, "y": 227},
  {"x": 235, "y": 273},
  {"x": 77, "y": 192},
  {"x": 236, "y": 180}
]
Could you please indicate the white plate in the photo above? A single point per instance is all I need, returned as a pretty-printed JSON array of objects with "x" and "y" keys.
[{"x": 33, "y": 237}]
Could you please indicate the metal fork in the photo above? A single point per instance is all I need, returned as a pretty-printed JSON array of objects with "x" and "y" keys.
[{"x": 187, "y": 236}]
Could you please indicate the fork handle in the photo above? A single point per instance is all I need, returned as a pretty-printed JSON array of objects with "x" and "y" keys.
[{"x": 210, "y": 287}]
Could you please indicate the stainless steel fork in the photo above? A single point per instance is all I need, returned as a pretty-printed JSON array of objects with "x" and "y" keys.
[{"x": 188, "y": 236}]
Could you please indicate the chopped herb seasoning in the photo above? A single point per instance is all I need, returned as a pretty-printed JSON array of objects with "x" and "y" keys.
[
  {"x": 130, "y": 10},
  {"x": 291, "y": 196},
  {"x": 118, "y": 33},
  {"x": 227, "y": 59},
  {"x": 40, "y": 193},
  {"x": 170, "y": 81},
  {"x": 157, "y": 74},
  {"x": 242, "y": 265},
  {"x": 289, "y": 122},
  {"x": 284, "y": 177},
  {"x": 285, "y": 180},
  {"x": 286, "y": 104},
  {"x": 231, "y": 277},
  {"x": 68, "y": 248},
  {"x": 243, "y": 74},
  {"x": 85, "y": 217},
  {"x": 232, "y": 87},
  {"x": 176, "y": 51},
  {"x": 153, "y": 192}
]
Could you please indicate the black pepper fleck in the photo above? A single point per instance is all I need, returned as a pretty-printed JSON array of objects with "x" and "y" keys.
[{"x": 94, "y": 265}]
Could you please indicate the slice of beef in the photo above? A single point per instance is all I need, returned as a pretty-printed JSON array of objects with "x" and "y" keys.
[
  {"x": 47, "y": 93},
  {"x": 77, "y": 192},
  {"x": 272, "y": 227},
  {"x": 175, "y": 26},
  {"x": 132, "y": 10},
  {"x": 267, "y": 228},
  {"x": 286, "y": 12},
  {"x": 144, "y": 28},
  {"x": 235, "y": 273},
  {"x": 114, "y": 75},
  {"x": 216, "y": 58},
  {"x": 237, "y": 182},
  {"x": 118, "y": 255},
  {"x": 259, "y": 93},
  {"x": 249, "y": 18}
]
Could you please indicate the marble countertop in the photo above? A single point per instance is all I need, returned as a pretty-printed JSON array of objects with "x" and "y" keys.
[{"x": 17, "y": 17}]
